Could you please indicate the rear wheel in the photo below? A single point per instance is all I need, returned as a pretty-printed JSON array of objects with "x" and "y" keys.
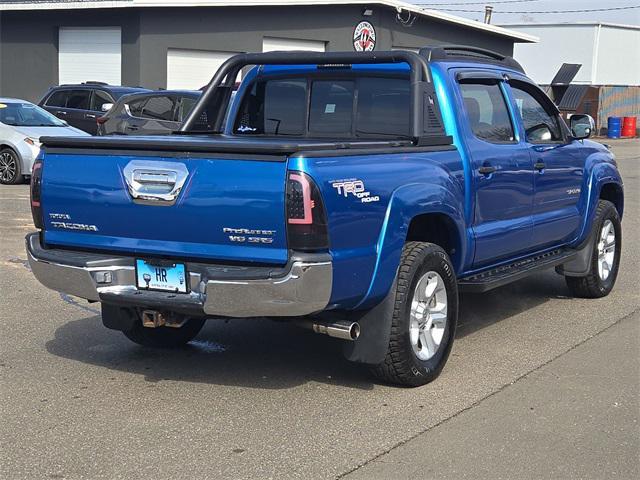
[
  {"x": 605, "y": 260},
  {"x": 424, "y": 317},
  {"x": 10, "y": 168},
  {"x": 164, "y": 337}
]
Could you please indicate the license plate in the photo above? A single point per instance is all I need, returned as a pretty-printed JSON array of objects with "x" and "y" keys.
[{"x": 165, "y": 277}]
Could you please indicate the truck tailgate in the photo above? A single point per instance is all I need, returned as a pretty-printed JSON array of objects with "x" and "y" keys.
[{"x": 228, "y": 207}]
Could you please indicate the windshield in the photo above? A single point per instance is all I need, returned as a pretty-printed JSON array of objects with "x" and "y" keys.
[{"x": 27, "y": 115}]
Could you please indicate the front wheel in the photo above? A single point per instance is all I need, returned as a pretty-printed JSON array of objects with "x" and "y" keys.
[
  {"x": 424, "y": 317},
  {"x": 605, "y": 259},
  {"x": 10, "y": 168}
]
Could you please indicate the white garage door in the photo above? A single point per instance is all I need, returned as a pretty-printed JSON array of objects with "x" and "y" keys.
[
  {"x": 193, "y": 69},
  {"x": 89, "y": 53},
  {"x": 270, "y": 44}
]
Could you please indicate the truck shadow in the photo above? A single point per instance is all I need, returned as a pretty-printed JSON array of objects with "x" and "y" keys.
[
  {"x": 257, "y": 353},
  {"x": 479, "y": 310},
  {"x": 264, "y": 354}
]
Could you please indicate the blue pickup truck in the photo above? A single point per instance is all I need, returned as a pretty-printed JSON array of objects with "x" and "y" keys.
[{"x": 355, "y": 194}]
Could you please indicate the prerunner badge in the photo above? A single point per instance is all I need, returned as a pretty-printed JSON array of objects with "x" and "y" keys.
[{"x": 364, "y": 37}]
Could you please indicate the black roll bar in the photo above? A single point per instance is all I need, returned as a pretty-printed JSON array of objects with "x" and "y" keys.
[{"x": 217, "y": 94}]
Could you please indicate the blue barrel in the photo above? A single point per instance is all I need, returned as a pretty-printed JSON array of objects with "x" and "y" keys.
[{"x": 614, "y": 127}]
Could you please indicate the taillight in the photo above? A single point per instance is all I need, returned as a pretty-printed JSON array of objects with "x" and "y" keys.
[
  {"x": 306, "y": 218},
  {"x": 36, "y": 194}
]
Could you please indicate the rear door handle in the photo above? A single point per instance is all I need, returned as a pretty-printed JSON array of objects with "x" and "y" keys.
[
  {"x": 539, "y": 166},
  {"x": 487, "y": 170},
  {"x": 133, "y": 128},
  {"x": 61, "y": 112}
]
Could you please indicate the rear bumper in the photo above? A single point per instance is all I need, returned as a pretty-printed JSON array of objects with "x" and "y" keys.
[{"x": 301, "y": 287}]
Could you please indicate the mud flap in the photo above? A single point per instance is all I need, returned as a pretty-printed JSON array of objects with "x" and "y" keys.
[
  {"x": 580, "y": 265},
  {"x": 375, "y": 327}
]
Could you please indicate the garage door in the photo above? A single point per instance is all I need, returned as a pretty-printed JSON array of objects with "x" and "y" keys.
[
  {"x": 89, "y": 53},
  {"x": 193, "y": 69},
  {"x": 270, "y": 44}
]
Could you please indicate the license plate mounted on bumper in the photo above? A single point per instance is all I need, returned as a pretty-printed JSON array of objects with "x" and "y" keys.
[{"x": 161, "y": 276}]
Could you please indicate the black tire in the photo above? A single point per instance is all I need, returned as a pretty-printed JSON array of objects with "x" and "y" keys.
[
  {"x": 164, "y": 337},
  {"x": 10, "y": 167},
  {"x": 592, "y": 285},
  {"x": 401, "y": 364}
]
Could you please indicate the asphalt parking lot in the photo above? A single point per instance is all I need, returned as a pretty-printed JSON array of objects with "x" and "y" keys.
[{"x": 539, "y": 385}]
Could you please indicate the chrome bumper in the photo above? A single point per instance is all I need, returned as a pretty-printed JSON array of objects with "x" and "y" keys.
[{"x": 300, "y": 288}]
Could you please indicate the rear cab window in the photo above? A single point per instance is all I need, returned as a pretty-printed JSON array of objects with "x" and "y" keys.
[{"x": 356, "y": 107}]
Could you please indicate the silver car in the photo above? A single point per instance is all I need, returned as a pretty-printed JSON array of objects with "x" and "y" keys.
[{"x": 21, "y": 125}]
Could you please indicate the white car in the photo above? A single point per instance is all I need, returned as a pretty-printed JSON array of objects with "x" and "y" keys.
[{"x": 21, "y": 125}]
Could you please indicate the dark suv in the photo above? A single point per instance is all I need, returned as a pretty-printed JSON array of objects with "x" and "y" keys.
[
  {"x": 149, "y": 113},
  {"x": 80, "y": 105}
]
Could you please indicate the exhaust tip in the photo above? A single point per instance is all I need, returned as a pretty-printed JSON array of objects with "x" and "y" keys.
[{"x": 354, "y": 331}]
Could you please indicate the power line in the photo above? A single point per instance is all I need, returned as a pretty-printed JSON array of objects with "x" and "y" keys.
[
  {"x": 608, "y": 9},
  {"x": 485, "y": 2}
]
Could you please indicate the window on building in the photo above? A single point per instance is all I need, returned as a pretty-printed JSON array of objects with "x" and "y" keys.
[{"x": 487, "y": 112}]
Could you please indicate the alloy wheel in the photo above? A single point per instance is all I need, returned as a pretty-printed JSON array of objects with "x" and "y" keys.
[{"x": 428, "y": 315}]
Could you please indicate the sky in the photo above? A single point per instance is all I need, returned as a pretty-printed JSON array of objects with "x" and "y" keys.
[{"x": 523, "y": 7}]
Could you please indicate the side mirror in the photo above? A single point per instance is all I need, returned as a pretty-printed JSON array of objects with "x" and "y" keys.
[
  {"x": 106, "y": 107},
  {"x": 582, "y": 126}
]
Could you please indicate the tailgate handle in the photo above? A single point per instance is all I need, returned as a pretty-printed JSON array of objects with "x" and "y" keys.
[
  {"x": 155, "y": 177},
  {"x": 155, "y": 183}
]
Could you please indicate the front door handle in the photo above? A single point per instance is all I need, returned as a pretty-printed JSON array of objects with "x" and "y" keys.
[
  {"x": 539, "y": 166},
  {"x": 487, "y": 170},
  {"x": 133, "y": 128},
  {"x": 90, "y": 115},
  {"x": 544, "y": 148}
]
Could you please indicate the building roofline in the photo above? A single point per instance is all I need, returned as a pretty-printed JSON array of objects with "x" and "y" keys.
[
  {"x": 398, "y": 5},
  {"x": 572, "y": 24}
]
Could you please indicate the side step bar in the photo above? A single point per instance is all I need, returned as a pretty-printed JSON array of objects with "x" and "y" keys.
[{"x": 499, "y": 276}]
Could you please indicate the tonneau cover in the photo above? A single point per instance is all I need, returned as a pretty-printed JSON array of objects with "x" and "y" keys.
[{"x": 214, "y": 144}]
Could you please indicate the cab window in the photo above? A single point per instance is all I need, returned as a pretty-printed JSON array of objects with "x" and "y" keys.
[
  {"x": 540, "y": 126},
  {"x": 486, "y": 111},
  {"x": 274, "y": 107},
  {"x": 363, "y": 107}
]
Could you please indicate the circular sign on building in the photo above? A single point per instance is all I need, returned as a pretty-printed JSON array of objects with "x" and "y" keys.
[{"x": 364, "y": 37}]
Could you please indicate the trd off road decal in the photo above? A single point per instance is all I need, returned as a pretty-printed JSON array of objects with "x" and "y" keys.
[
  {"x": 364, "y": 37},
  {"x": 355, "y": 188}
]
